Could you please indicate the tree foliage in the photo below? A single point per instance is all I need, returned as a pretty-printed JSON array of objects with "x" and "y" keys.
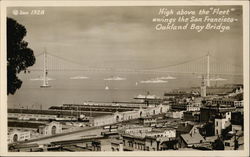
[
  {"x": 19, "y": 56},
  {"x": 218, "y": 144}
]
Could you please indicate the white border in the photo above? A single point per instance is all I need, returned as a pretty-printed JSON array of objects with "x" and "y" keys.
[{"x": 3, "y": 74}]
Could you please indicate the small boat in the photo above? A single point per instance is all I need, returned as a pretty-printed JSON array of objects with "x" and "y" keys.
[{"x": 106, "y": 88}]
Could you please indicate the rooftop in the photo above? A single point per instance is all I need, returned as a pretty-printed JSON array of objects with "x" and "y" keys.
[
  {"x": 195, "y": 138},
  {"x": 184, "y": 128},
  {"x": 137, "y": 137},
  {"x": 161, "y": 129},
  {"x": 24, "y": 124}
]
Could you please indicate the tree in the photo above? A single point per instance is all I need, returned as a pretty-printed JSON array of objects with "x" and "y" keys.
[
  {"x": 19, "y": 56},
  {"x": 218, "y": 144}
]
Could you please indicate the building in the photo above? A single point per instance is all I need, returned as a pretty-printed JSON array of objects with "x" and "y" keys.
[
  {"x": 236, "y": 128},
  {"x": 222, "y": 122},
  {"x": 106, "y": 120},
  {"x": 235, "y": 142},
  {"x": 130, "y": 115},
  {"x": 18, "y": 135},
  {"x": 148, "y": 121},
  {"x": 223, "y": 90},
  {"x": 237, "y": 118},
  {"x": 184, "y": 128},
  {"x": 188, "y": 135},
  {"x": 193, "y": 107},
  {"x": 138, "y": 131},
  {"x": 208, "y": 113},
  {"x": 112, "y": 144},
  {"x": 155, "y": 140},
  {"x": 224, "y": 101},
  {"x": 171, "y": 144},
  {"x": 191, "y": 140},
  {"x": 137, "y": 143},
  {"x": 239, "y": 103},
  {"x": 93, "y": 144},
  {"x": 26, "y": 116},
  {"x": 175, "y": 114},
  {"x": 50, "y": 129},
  {"x": 24, "y": 126},
  {"x": 149, "y": 132},
  {"x": 151, "y": 111},
  {"x": 237, "y": 90},
  {"x": 159, "y": 133},
  {"x": 191, "y": 116},
  {"x": 179, "y": 106}
]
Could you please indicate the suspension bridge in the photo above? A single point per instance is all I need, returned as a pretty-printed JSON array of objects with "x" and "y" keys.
[{"x": 206, "y": 65}]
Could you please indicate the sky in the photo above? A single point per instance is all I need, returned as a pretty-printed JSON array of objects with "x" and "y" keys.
[
  {"x": 118, "y": 38},
  {"x": 124, "y": 37}
]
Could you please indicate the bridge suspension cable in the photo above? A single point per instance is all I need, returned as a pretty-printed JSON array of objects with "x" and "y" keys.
[{"x": 204, "y": 65}]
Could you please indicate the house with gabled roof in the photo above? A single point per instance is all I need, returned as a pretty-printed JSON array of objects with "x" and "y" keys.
[
  {"x": 191, "y": 140},
  {"x": 188, "y": 135}
]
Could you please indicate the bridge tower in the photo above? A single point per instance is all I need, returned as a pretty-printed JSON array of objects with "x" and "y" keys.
[
  {"x": 208, "y": 70},
  {"x": 45, "y": 72}
]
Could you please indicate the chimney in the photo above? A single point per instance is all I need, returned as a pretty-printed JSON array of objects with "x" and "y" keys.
[{"x": 185, "y": 124}]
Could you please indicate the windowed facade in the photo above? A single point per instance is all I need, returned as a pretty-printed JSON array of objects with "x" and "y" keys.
[{"x": 53, "y": 130}]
